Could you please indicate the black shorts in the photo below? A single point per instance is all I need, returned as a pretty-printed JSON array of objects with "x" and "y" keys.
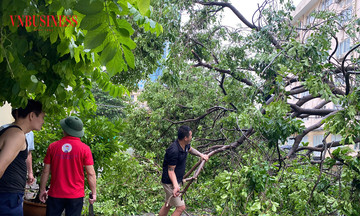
[{"x": 55, "y": 206}]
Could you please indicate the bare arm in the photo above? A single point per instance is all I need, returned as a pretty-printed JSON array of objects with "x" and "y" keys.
[
  {"x": 172, "y": 176},
  {"x": 91, "y": 176},
  {"x": 197, "y": 153},
  {"x": 43, "y": 180},
  {"x": 31, "y": 178},
  {"x": 13, "y": 143}
]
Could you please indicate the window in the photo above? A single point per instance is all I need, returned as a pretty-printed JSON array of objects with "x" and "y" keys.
[
  {"x": 306, "y": 93},
  {"x": 317, "y": 139},
  {"x": 326, "y": 4},
  {"x": 345, "y": 2},
  {"x": 298, "y": 30},
  {"x": 343, "y": 48},
  {"x": 310, "y": 18},
  {"x": 335, "y": 137},
  {"x": 345, "y": 15},
  {"x": 317, "y": 116}
]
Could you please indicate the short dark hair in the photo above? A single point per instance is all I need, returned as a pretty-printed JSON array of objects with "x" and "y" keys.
[
  {"x": 183, "y": 131},
  {"x": 32, "y": 106}
]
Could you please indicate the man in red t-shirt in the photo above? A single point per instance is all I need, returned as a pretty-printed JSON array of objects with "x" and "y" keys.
[{"x": 65, "y": 160}]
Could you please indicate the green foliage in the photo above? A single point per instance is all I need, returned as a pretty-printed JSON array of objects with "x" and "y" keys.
[
  {"x": 108, "y": 106},
  {"x": 101, "y": 135},
  {"x": 209, "y": 79},
  {"x": 224, "y": 84},
  {"x": 130, "y": 187},
  {"x": 57, "y": 64},
  {"x": 274, "y": 126}
]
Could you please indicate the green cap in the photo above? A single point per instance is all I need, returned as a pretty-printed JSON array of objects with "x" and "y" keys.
[{"x": 73, "y": 126}]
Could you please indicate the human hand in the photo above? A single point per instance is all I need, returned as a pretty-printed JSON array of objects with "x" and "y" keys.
[
  {"x": 204, "y": 157},
  {"x": 30, "y": 179},
  {"x": 43, "y": 196},
  {"x": 92, "y": 199},
  {"x": 176, "y": 191}
]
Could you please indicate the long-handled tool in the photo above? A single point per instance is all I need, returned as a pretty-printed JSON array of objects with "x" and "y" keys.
[{"x": 91, "y": 207}]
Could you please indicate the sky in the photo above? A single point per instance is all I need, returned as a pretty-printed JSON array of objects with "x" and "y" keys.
[{"x": 246, "y": 8}]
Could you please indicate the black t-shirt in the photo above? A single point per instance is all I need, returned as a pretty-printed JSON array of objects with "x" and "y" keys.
[{"x": 175, "y": 156}]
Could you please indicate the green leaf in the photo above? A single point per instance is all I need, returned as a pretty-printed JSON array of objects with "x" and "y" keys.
[
  {"x": 357, "y": 21},
  {"x": 10, "y": 57},
  {"x": 115, "y": 8},
  {"x": 91, "y": 22},
  {"x": 108, "y": 53},
  {"x": 123, "y": 32},
  {"x": 159, "y": 29},
  {"x": 89, "y": 7},
  {"x": 129, "y": 43},
  {"x": 112, "y": 90},
  {"x": 124, "y": 24},
  {"x": 95, "y": 74},
  {"x": 63, "y": 47},
  {"x": 129, "y": 56},
  {"x": 116, "y": 65},
  {"x": 143, "y": 6},
  {"x": 15, "y": 89},
  {"x": 34, "y": 79},
  {"x": 94, "y": 39},
  {"x": 123, "y": 7}
]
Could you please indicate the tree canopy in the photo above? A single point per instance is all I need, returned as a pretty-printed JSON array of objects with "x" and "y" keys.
[
  {"x": 54, "y": 50},
  {"x": 244, "y": 91}
]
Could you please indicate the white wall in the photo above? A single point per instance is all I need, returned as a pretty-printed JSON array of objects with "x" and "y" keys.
[{"x": 5, "y": 114}]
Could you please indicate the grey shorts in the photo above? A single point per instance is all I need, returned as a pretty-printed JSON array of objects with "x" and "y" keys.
[{"x": 174, "y": 201}]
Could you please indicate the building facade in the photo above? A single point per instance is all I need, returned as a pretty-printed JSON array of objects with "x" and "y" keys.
[{"x": 347, "y": 11}]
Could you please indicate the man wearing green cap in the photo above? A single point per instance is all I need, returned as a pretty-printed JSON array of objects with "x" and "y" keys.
[{"x": 65, "y": 160}]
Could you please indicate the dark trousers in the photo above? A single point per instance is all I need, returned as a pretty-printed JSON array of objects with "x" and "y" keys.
[
  {"x": 11, "y": 204},
  {"x": 55, "y": 206}
]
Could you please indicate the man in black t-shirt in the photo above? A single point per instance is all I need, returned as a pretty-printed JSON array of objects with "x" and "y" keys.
[{"x": 174, "y": 170}]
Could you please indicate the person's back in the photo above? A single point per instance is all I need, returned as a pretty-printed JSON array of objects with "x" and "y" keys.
[{"x": 67, "y": 158}]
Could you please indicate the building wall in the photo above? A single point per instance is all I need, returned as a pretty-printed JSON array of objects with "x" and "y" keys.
[
  {"x": 5, "y": 114},
  {"x": 302, "y": 19},
  {"x": 344, "y": 8}
]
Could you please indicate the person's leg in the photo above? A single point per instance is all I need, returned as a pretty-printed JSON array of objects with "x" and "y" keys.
[
  {"x": 178, "y": 202},
  {"x": 164, "y": 210},
  {"x": 54, "y": 206},
  {"x": 11, "y": 204},
  {"x": 178, "y": 210},
  {"x": 74, "y": 207}
]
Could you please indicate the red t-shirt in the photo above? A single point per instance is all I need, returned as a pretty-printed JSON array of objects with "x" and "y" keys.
[{"x": 67, "y": 158}]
